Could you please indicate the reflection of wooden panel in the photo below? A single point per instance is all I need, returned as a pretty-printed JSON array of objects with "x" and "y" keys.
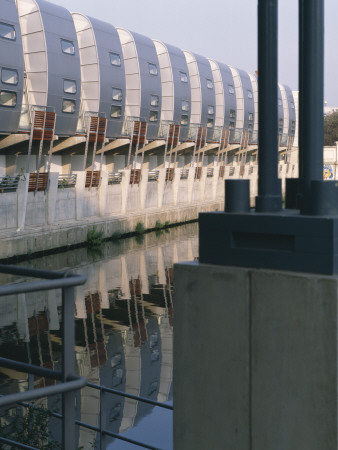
[
  {"x": 37, "y": 184},
  {"x": 169, "y": 276},
  {"x": 93, "y": 303},
  {"x": 135, "y": 287},
  {"x": 140, "y": 333},
  {"x": 38, "y": 324}
]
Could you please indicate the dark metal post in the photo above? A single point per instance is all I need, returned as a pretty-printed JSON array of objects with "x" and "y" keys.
[
  {"x": 311, "y": 78},
  {"x": 68, "y": 369},
  {"x": 269, "y": 186}
]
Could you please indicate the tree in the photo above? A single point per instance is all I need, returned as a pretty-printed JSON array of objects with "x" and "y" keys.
[{"x": 331, "y": 128}]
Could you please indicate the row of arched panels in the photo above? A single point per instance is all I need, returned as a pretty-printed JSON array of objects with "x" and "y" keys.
[{"x": 77, "y": 66}]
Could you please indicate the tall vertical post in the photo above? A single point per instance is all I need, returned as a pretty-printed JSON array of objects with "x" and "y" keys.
[
  {"x": 269, "y": 186},
  {"x": 311, "y": 78}
]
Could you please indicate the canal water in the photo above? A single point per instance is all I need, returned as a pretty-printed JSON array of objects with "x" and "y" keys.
[{"x": 124, "y": 339}]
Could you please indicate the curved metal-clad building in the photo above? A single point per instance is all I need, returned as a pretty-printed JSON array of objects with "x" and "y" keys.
[
  {"x": 292, "y": 111},
  {"x": 11, "y": 67},
  {"x": 254, "y": 84},
  {"x": 280, "y": 115},
  {"x": 202, "y": 92},
  {"x": 176, "y": 96},
  {"x": 286, "y": 122},
  {"x": 225, "y": 113},
  {"x": 249, "y": 104},
  {"x": 143, "y": 80},
  {"x": 102, "y": 72}
]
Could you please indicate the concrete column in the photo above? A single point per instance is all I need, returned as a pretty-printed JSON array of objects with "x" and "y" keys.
[
  {"x": 80, "y": 193},
  {"x": 255, "y": 359},
  {"x": 124, "y": 190},
  {"x": 160, "y": 187},
  {"x": 143, "y": 188},
  {"x": 202, "y": 182},
  {"x": 191, "y": 180},
  {"x": 175, "y": 185},
  {"x": 22, "y": 193},
  {"x": 215, "y": 182},
  {"x": 103, "y": 192},
  {"x": 52, "y": 196}
]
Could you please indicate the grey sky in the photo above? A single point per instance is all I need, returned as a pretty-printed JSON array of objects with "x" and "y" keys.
[{"x": 223, "y": 30}]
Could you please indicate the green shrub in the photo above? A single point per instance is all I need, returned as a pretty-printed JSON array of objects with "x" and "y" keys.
[
  {"x": 94, "y": 237},
  {"x": 166, "y": 223},
  {"x": 139, "y": 229},
  {"x": 116, "y": 235},
  {"x": 158, "y": 225}
]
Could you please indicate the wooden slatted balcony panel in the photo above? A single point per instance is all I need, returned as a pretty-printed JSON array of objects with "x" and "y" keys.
[
  {"x": 139, "y": 132},
  {"x": 201, "y": 136},
  {"x": 92, "y": 178},
  {"x": 37, "y": 185},
  {"x": 44, "y": 125},
  {"x": 173, "y": 135},
  {"x": 169, "y": 174},
  {"x": 198, "y": 173},
  {"x": 97, "y": 129},
  {"x": 135, "y": 176},
  {"x": 221, "y": 172}
]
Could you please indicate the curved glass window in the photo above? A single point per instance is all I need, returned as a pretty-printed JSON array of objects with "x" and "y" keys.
[
  {"x": 117, "y": 94},
  {"x": 8, "y": 99},
  {"x": 232, "y": 114},
  {"x": 69, "y": 86},
  {"x": 231, "y": 125},
  {"x": 184, "y": 119},
  {"x": 250, "y": 94},
  {"x": 152, "y": 69},
  {"x": 184, "y": 77},
  {"x": 68, "y": 106},
  {"x": 9, "y": 76},
  {"x": 115, "y": 59},
  {"x": 185, "y": 105},
  {"x": 153, "y": 116},
  {"x": 115, "y": 111},
  {"x": 67, "y": 47},
  {"x": 211, "y": 110},
  {"x": 231, "y": 89},
  {"x": 210, "y": 84},
  {"x": 210, "y": 123},
  {"x": 7, "y": 31},
  {"x": 154, "y": 100},
  {"x": 250, "y": 116}
]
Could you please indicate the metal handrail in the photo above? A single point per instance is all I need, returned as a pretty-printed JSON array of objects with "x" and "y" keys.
[
  {"x": 153, "y": 175},
  {"x": 114, "y": 178},
  {"x": 184, "y": 174},
  {"x": 9, "y": 184},
  {"x": 67, "y": 181}
]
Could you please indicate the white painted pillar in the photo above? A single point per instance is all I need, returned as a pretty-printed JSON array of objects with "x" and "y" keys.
[
  {"x": 22, "y": 195},
  {"x": 52, "y": 196},
  {"x": 80, "y": 193},
  {"x": 103, "y": 193},
  {"x": 160, "y": 187},
  {"x": 124, "y": 190},
  {"x": 143, "y": 189}
]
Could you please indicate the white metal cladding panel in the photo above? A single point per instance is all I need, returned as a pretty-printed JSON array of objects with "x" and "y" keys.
[
  {"x": 285, "y": 108},
  {"x": 111, "y": 76},
  {"x": 35, "y": 61},
  {"x": 249, "y": 107},
  {"x": 239, "y": 98},
  {"x": 133, "y": 80},
  {"x": 208, "y": 94},
  {"x": 150, "y": 84},
  {"x": 196, "y": 94},
  {"x": 254, "y": 84},
  {"x": 90, "y": 70},
  {"x": 219, "y": 94},
  {"x": 11, "y": 58},
  {"x": 229, "y": 98},
  {"x": 167, "y": 82}
]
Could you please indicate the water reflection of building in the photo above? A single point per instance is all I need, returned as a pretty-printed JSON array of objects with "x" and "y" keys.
[{"x": 123, "y": 329}]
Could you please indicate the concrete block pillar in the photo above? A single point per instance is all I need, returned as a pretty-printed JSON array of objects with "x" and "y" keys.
[
  {"x": 176, "y": 183},
  {"x": 255, "y": 359},
  {"x": 80, "y": 193},
  {"x": 52, "y": 196},
  {"x": 103, "y": 192},
  {"x": 215, "y": 182},
  {"x": 124, "y": 190},
  {"x": 202, "y": 182},
  {"x": 160, "y": 187},
  {"x": 22, "y": 193},
  {"x": 143, "y": 188},
  {"x": 191, "y": 180}
]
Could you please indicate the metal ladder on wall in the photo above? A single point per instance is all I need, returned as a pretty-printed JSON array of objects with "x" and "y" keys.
[
  {"x": 96, "y": 134},
  {"x": 171, "y": 142},
  {"x": 138, "y": 137}
]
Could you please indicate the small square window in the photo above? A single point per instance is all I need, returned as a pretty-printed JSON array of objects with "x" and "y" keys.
[
  {"x": 292, "y": 105},
  {"x": 250, "y": 94},
  {"x": 67, "y": 47},
  {"x": 184, "y": 119},
  {"x": 68, "y": 106},
  {"x": 231, "y": 89},
  {"x": 184, "y": 77},
  {"x": 115, "y": 59},
  {"x": 231, "y": 125},
  {"x": 210, "y": 123},
  {"x": 115, "y": 111},
  {"x": 117, "y": 94},
  {"x": 211, "y": 110},
  {"x": 7, "y": 31},
  {"x": 8, "y": 99},
  {"x": 154, "y": 100},
  {"x": 153, "y": 116},
  {"x": 210, "y": 84},
  {"x": 250, "y": 116},
  {"x": 69, "y": 86},
  {"x": 185, "y": 105},
  {"x": 232, "y": 114},
  {"x": 152, "y": 69},
  {"x": 9, "y": 76}
]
